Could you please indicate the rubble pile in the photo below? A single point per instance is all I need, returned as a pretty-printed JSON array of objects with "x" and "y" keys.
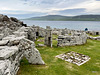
[{"x": 73, "y": 57}]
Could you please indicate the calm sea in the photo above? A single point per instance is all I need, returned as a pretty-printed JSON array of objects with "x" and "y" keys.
[{"x": 76, "y": 25}]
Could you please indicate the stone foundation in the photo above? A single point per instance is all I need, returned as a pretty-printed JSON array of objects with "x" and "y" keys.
[{"x": 73, "y": 57}]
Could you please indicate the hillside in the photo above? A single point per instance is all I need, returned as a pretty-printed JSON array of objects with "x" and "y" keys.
[{"x": 67, "y": 18}]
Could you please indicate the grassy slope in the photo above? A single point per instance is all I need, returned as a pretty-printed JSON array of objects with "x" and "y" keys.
[{"x": 55, "y": 66}]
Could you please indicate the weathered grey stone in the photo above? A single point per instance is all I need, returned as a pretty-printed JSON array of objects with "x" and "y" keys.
[
  {"x": 6, "y": 32},
  {"x": 48, "y": 37},
  {"x": 13, "y": 54},
  {"x": 41, "y": 45},
  {"x": 3, "y": 67},
  {"x": 31, "y": 53},
  {"x": 94, "y": 38},
  {"x": 3, "y": 42},
  {"x": 1, "y": 36},
  {"x": 9, "y": 25},
  {"x": 8, "y": 52}
]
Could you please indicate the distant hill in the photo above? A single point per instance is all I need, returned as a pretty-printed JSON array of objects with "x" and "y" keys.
[{"x": 67, "y": 18}]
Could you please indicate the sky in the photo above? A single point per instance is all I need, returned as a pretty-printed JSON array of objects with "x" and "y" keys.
[{"x": 33, "y": 8}]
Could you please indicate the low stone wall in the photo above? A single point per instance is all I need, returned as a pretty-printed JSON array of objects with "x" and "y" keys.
[
  {"x": 93, "y": 32},
  {"x": 94, "y": 38},
  {"x": 69, "y": 40}
]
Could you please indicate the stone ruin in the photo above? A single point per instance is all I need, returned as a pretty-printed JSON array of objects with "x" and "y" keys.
[
  {"x": 93, "y": 32},
  {"x": 94, "y": 38},
  {"x": 77, "y": 38},
  {"x": 56, "y": 31},
  {"x": 16, "y": 41},
  {"x": 12, "y": 49},
  {"x": 73, "y": 57},
  {"x": 48, "y": 36},
  {"x": 67, "y": 37},
  {"x": 40, "y": 32}
]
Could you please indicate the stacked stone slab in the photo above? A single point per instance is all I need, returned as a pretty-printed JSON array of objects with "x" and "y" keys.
[
  {"x": 11, "y": 56},
  {"x": 28, "y": 32},
  {"x": 30, "y": 52},
  {"x": 69, "y": 40},
  {"x": 48, "y": 36},
  {"x": 12, "y": 50}
]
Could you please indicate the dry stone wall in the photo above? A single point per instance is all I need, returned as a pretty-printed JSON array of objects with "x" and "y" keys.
[{"x": 69, "y": 40}]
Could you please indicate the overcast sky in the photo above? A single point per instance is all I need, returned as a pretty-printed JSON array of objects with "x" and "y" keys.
[{"x": 33, "y": 8}]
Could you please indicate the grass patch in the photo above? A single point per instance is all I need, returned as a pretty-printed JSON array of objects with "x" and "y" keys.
[{"x": 55, "y": 66}]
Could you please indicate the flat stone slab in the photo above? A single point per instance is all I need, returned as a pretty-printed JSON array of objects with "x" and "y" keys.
[
  {"x": 41, "y": 45},
  {"x": 3, "y": 66},
  {"x": 7, "y": 52},
  {"x": 3, "y": 42},
  {"x": 73, "y": 57}
]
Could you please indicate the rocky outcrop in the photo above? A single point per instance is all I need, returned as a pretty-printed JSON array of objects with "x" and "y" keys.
[
  {"x": 9, "y": 25},
  {"x": 4, "y": 18}
]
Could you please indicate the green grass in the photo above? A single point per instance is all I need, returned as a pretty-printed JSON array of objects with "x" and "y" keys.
[{"x": 55, "y": 66}]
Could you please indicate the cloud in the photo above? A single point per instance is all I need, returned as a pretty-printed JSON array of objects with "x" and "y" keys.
[
  {"x": 22, "y": 16},
  {"x": 44, "y": 7},
  {"x": 97, "y": 0}
]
